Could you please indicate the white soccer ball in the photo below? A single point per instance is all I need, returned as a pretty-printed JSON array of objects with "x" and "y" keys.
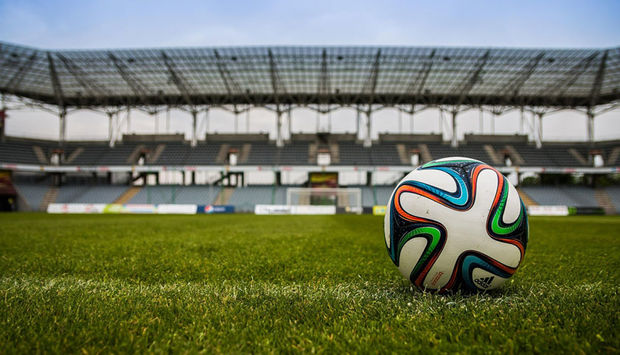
[{"x": 456, "y": 223}]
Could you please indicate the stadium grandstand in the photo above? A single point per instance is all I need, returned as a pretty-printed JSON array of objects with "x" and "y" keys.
[{"x": 214, "y": 169}]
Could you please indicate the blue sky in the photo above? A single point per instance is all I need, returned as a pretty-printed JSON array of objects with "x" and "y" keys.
[
  {"x": 112, "y": 23},
  {"x": 120, "y": 24}
]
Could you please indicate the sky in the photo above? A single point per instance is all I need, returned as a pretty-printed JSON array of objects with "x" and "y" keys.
[{"x": 131, "y": 24}]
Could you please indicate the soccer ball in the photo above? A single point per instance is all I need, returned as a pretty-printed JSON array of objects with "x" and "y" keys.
[{"x": 456, "y": 223}]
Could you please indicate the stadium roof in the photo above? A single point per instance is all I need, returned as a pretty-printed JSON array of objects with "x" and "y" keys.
[{"x": 312, "y": 75}]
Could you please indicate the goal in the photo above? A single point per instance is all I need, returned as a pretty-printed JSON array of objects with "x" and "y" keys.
[{"x": 348, "y": 200}]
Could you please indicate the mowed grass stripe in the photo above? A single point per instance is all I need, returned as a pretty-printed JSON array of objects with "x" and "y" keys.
[{"x": 178, "y": 283}]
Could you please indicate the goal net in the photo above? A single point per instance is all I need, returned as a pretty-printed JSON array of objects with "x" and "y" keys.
[{"x": 347, "y": 199}]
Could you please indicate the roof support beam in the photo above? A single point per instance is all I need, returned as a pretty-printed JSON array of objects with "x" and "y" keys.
[
  {"x": 464, "y": 89},
  {"x": 471, "y": 80},
  {"x": 178, "y": 80},
  {"x": 275, "y": 80},
  {"x": 55, "y": 82},
  {"x": 19, "y": 75},
  {"x": 324, "y": 82},
  {"x": 561, "y": 86},
  {"x": 598, "y": 81},
  {"x": 62, "y": 114},
  {"x": 417, "y": 85},
  {"x": 136, "y": 85},
  {"x": 371, "y": 84},
  {"x": 516, "y": 82},
  {"x": 88, "y": 84},
  {"x": 231, "y": 86}
]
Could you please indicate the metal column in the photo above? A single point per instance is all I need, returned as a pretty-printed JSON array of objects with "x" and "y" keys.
[
  {"x": 206, "y": 123},
  {"x": 590, "y": 127},
  {"x": 155, "y": 122},
  {"x": 368, "y": 138},
  {"x": 358, "y": 118},
  {"x": 168, "y": 120},
  {"x": 539, "y": 129},
  {"x": 111, "y": 129},
  {"x": 522, "y": 122},
  {"x": 289, "y": 117},
  {"x": 2, "y": 124},
  {"x": 128, "y": 118},
  {"x": 455, "y": 138},
  {"x": 279, "y": 140},
  {"x": 2, "y": 119},
  {"x": 194, "y": 139},
  {"x": 236, "y": 122},
  {"x": 62, "y": 117}
]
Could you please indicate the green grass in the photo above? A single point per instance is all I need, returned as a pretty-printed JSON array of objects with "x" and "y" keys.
[{"x": 244, "y": 283}]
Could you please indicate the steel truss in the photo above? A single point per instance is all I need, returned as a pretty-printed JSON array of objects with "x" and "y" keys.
[{"x": 367, "y": 79}]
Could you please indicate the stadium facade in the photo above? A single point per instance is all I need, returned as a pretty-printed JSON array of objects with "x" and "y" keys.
[{"x": 282, "y": 79}]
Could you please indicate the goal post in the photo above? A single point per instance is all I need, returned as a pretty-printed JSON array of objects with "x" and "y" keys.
[{"x": 348, "y": 200}]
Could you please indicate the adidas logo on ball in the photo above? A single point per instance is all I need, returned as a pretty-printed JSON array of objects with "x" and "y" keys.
[{"x": 484, "y": 282}]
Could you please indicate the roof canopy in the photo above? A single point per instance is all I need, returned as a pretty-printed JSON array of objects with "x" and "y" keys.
[{"x": 312, "y": 75}]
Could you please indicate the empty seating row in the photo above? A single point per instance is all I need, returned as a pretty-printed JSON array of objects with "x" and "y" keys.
[
  {"x": 298, "y": 153},
  {"x": 177, "y": 194},
  {"x": 577, "y": 196}
]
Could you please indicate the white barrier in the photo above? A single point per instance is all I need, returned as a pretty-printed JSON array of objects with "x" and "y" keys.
[
  {"x": 316, "y": 210},
  {"x": 548, "y": 211},
  {"x": 176, "y": 209},
  {"x": 298, "y": 210}
]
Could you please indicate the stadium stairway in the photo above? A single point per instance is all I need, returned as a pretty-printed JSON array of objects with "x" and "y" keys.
[
  {"x": 133, "y": 157},
  {"x": 527, "y": 200},
  {"x": 76, "y": 153},
  {"x": 245, "y": 153},
  {"x": 613, "y": 156},
  {"x": 402, "y": 154},
  {"x": 49, "y": 197},
  {"x": 155, "y": 156},
  {"x": 128, "y": 194},
  {"x": 495, "y": 159},
  {"x": 516, "y": 158},
  {"x": 224, "y": 195},
  {"x": 425, "y": 153},
  {"x": 604, "y": 200},
  {"x": 38, "y": 152}
]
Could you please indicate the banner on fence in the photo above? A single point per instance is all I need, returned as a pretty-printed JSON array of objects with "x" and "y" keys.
[
  {"x": 378, "y": 210},
  {"x": 215, "y": 209},
  {"x": 76, "y": 207}
]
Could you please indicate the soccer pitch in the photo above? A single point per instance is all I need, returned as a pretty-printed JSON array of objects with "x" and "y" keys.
[{"x": 245, "y": 283}]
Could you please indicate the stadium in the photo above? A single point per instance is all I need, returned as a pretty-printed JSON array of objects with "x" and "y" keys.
[
  {"x": 250, "y": 241},
  {"x": 128, "y": 169}
]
